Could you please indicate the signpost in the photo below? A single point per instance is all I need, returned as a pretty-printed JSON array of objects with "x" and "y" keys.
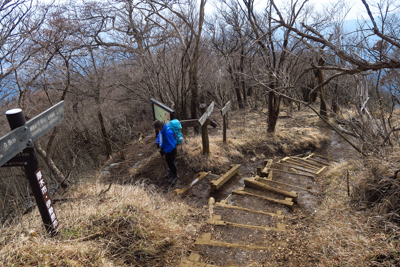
[
  {"x": 207, "y": 113},
  {"x": 166, "y": 114},
  {"x": 224, "y": 110},
  {"x": 161, "y": 112},
  {"x": 204, "y": 129},
  {"x": 16, "y": 149}
]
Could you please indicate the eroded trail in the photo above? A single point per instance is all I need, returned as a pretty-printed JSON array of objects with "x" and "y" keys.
[{"x": 261, "y": 221}]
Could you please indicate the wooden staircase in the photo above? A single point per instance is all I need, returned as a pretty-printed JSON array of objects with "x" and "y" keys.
[{"x": 246, "y": 226}]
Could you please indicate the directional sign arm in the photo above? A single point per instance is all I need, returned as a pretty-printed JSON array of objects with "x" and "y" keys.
[
  {"x": 46, "y": 120},
  {"x": 15, "y": 141},
  {"x": 206, "y": 114}
]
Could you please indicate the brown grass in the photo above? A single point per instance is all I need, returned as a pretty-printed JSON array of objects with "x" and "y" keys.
[
  {"x": 344, "y": 235},
  {"x": 247, "y": 138},
  {"x": 135, "y": 226}
]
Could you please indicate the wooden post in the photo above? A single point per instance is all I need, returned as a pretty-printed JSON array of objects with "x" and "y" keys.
[
  {"x": 204, "y": 133},
  {"x": 224, "y": 130},
  {"x": 224, "y": 112},
  {"x": 38, "y": 185}
]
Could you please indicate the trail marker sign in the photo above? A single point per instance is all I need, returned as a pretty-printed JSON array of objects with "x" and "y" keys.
[
  {"x": 15, "y": 141},
  {"x": 206, "y": 114},
  {"x": 16, "y": 149},
  {"x": 224, "y": 110}
]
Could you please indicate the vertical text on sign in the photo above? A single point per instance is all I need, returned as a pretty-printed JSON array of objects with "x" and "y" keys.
[{"x": 46, "y": 198}]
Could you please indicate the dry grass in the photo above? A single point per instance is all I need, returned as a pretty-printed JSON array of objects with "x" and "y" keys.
[
  {"x": 135, "y": 226},
  {"x": 138, "y": 226},
  {"x": 343, "y": 235},
  {"x": 247, "y": 138}
]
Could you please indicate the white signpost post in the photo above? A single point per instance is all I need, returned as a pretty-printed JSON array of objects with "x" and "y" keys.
[
  {"x": 16, "y": 149},
  {"x": 224, "y": 110}
]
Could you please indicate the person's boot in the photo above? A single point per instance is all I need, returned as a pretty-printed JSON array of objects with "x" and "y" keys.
[
  {"x": 173, "y": 180},
  {"x": 168, "y": 175}
]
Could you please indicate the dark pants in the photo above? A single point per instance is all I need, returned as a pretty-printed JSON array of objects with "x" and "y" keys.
[{"x": 170, "y": 159}]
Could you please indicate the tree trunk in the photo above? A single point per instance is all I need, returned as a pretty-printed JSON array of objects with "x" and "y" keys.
[
  {"x": 50, "y": 164},
  {"x": 319, "y": 75},
  {"x": 274, "y": 102}
]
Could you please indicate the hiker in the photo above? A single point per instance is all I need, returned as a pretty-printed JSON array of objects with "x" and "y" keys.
[{"x": 166, "y": 141}]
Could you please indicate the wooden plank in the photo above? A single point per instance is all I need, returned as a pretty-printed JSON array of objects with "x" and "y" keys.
[
  {"x": 303, "y": 164},
  {"x": 306, "y": 161},
  {"x": 252, "y": 182},
  {"x": 259, "y": 169},
  {"x": 318, "y": 161},
  {"x": 280, "y": 183},
  {"x": 225, "y": 109},
  {"x": 309, "y": 156},
  {"x": 185, "y": 189},
  {"x": 297, "y": 168},
  {"x": 271, "y": 173},
  {"x": 206, "y": 240},
  {"x": 323, "y": 157},
  {"x": 311, "y": 176},
  {"x": 286, "y": 202},
  {"x": 215, "y": 185},
  {"x": 224, "y": 205},
  {"x": 264, "y": 172},
  {"x": 216, "y": 220},
  {"x": 190, "y": 123},
  {"x": 206, "y": 114},
  {"x": 321, "y": 170}
]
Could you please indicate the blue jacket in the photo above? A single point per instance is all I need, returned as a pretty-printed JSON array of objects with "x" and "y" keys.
[{"x": 166, "y": 139}]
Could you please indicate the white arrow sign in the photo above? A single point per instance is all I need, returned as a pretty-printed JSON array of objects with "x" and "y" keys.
[
  {"x": 206, "y": 114},
  {"x": 15, "y": 141}
]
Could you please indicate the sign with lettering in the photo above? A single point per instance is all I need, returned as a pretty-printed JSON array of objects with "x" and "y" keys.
[
  {"x": 16, "y": 149},
  {"x": 206, "y": 114},
  {"x": 15, "y": 141},
  {"x": 161, "y": 112},
  {"x": 46, "y": 198}
]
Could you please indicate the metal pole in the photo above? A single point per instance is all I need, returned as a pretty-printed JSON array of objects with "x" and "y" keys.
[{"x": 39, "y": 188}]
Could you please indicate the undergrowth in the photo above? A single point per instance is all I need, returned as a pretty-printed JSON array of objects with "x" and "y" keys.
[{"x": 128, "y": 225}]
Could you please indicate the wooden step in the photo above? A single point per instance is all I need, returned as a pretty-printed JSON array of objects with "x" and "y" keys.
[
  {"x": 287, "y": 202},
  {"x": 297, "y": 168},
  {"x": 318, "y": 162},
  {"x": 301, "y": 163},
  {"x": 207, "y": 241},
  {"x": 185, "y": 189},
  {"x": 265, "y": 171},
  {"x": 252, "y": 182},
  {"x": 223, "y": 204},
  {"x": 260, "y": 179},
  {"x": 216, "y": 220},
  {"x": 302, "y": 174},
  {"x": 215, "y": 185}
]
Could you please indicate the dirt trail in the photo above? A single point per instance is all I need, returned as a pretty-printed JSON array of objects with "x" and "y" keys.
[
  {"x": 247, "y": 229},
  {"x": 265, "y": 232}
]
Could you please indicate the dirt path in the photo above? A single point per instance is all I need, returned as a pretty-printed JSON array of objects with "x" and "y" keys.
[
  {"x": 258, "y": 224},
  {"x": 264, "y": 232}
]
